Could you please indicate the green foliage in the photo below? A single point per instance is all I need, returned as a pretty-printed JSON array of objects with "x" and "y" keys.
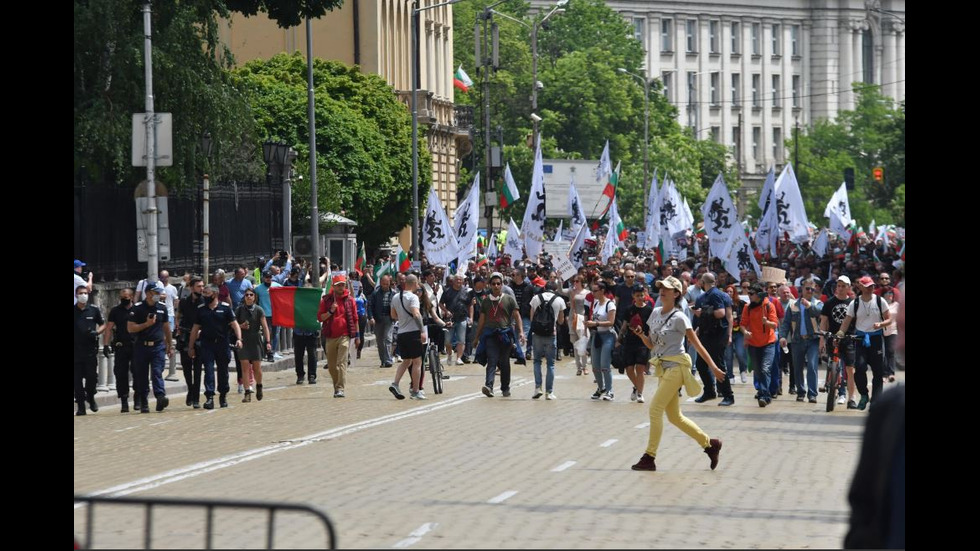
[
  {"x": 363, "y": 140},
  {"x": 188, "y": 81},
  {"x": 584, "y": 102},
  {"x": 871, "y": 135},
  {"x": 286, "y": 13}
]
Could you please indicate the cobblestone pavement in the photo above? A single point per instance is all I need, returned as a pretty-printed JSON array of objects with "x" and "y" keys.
[{"x": 462, "y": 470}]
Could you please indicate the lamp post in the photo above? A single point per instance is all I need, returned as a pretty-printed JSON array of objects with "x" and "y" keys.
[
  {"x": 646, "y": 138},
  {"x": 414, "y": 250},
  {"x": 206, "y": 146}
]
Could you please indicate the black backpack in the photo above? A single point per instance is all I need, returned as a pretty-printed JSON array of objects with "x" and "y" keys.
[{"x": 543, "y": 323}]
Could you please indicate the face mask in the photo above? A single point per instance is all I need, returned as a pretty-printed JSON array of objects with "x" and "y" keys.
[
  {"x": 125, "y": 301},
  {"x": 83, "y": 298}
]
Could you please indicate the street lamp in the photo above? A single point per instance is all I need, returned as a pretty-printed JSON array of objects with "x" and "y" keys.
[
  {"x": 646, "y": 138},
  {"x": 415, "y": 122},
  {"x": 535, "y": 85},
  {"x": 206, "y": 146}
]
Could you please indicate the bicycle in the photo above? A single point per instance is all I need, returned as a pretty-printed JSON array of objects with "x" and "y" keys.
[
  {"x": 835, "y": 367},
  {"x": 433, "y": 364}
]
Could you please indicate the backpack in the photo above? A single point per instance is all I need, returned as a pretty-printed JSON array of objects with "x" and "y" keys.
[
  {"x": 857, "y": 307},
  {"x": 543, "y": 323}
]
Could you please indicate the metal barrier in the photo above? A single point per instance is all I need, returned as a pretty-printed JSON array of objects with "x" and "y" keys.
[{"x": 209, "y": 505}]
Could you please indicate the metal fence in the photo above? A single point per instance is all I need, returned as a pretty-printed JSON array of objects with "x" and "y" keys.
[
  {"x": 209, "y": 506},
  {"x": 246, "y": 222}
]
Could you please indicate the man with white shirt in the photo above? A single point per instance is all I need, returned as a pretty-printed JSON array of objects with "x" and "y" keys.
[
  {"x": 870, "y": 315},
  {"x": 80, "y": 281}
]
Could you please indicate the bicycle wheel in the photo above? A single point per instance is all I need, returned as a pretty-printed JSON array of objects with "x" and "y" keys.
[
  {"x": 833, "y": 374},
  {"x": 435, "y": 367}
]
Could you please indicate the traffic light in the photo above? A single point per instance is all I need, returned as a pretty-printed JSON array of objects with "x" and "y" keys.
[
  {"x": 849, "y": 178},
  {"x": 878, "y": 173}
]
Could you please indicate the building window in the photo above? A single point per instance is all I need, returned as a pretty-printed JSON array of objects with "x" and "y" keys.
[
  {"x": 756, "y": 40},
  {"x": 777, "y": 92},
  {"x": 714, "y": 37},
  {"x": 715, "y": 89},
  {"x": 666, "y": 78},
  {"x": 692, "y": 36},
  {"x": 794, "y": 37},
  {"x": 777, "y": 40},
  {"x": 639, "y": 25},
  {"x": 692, "y": 87},
  {"x": 667, "y": 35},
  {"x": 868, "y": 57},
  {"x": 796, "y": 91},
  {"x": 777, "y": 144},
  {"x": 736, "y": 37},
  {"x": 756, "y": 90},
  {"x": 716, "y": 134},
  {"x": 736, "y": 88},
  {"x": 756, "y": 139},
  {"x": 737, "y": 139}
]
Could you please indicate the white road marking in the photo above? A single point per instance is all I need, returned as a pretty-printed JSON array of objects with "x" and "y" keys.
[
  {"x": 608, "y": 443},
  {"x": 160, "y": 423},
  {"x": 416, "y": 535},
  {"x": 642, "y": 426},
  {"x": 502, "y": 497},
  {"x": 197, "y": 469},
  {"x": 562, "y": 467},
  {"x": 127, "y": 428}
]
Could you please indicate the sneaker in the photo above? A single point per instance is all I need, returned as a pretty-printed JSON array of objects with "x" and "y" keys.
[
  {"x": 704, "y": 397},
  {"x": 398, "y": 359},
  {"x": 863, "y": 402},
  {"x": 730, "y": 401},
  {"x": 633, "y": 395},
  {"x": 851, "y": 404},
  {"x": 467, "y": 360},
  {"x": 646, "y": 463},
  {"x": 578, "y": 371},
  {"x": 745, "y": 378},
  {"x": 763, "y": 402},
  {"x": 487, "y": 391},
  {"x": 338, "y": 394},
  {"x": 550, "y": 396},
  {"x": 598, "y": 393},
  {"x": 299, "y": 379},
  {"x": 277, "y": 356},
  {"x": 608, "y": 396},
  {"x": 537, "y": 393},
  {"x": 411, "y": 394},
  {"x": 396, "y": 392},
  {"x": 420, "y": 395},
  {"x": 162, "y": 403},
  {"x": 241, "y": 388},
  {"x": 713, "y": 451},
  {"x": 459, "y": 361},
  {"x": 841, "y": 400},
  {"x": 311, "y": 380},
  {"x": 505, "y": 393},
  {"x": 812, "y": 400},
  {"x": 800, "y": 398},
  {"x": 639, "y": 398}
]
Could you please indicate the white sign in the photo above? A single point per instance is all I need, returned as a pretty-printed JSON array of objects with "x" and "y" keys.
[
  {"x": 556, "y": 249},
  {"x": 557, "y": 175},
  {"x": 566, "y": 270},
  {"x": 164, "y": 139}
]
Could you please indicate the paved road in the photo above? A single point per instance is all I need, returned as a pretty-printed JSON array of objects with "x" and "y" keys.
[{"x": 462, "y": 470}]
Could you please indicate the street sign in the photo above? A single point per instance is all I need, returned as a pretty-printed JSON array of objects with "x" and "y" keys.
[{"x": 164, "y": 139}]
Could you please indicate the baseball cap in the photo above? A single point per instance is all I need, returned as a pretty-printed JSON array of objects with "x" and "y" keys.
[{"x": 79, "y": 263}]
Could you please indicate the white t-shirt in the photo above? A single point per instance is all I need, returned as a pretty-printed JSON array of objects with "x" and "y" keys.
[
  {"x": 868, "y": 315},
  {"x": 558, "y": 306},
  {"x": 668, "y": 332},
  {"x": 78, "y": 283},
  {"x": 170, "y": 292},
  {"x": 603, "y": 313},
  {"x": 406, "y": 323}
]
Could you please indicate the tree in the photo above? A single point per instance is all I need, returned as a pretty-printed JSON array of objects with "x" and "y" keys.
[
  {"x": 872, "y": 135},
  {"x": 363, "y": 139},
  {"x": 286, "y": 13}
]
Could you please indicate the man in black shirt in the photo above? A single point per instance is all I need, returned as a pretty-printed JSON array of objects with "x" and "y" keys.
[
  {"x": 186, "y": 316},
  {"x": 211, "y": 329},
  {"x": 149, "y": 323},
  {"x": 88, "y": 326},
  {"x": 119, "y": 342},
  {"x": 831, "y": 317}
]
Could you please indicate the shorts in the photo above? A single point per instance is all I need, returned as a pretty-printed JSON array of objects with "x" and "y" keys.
[
  {"x": 636, "y": 355},
  {"x": 846, "y": 351},
  {"x": 410, "y": 345}
]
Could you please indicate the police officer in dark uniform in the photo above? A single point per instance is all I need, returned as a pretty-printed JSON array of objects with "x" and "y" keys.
[
  {"x": 186, "y": 317},
  {"x": 211, "y": 330},
  {"x": 88, "y": 326},
  {"x": 149, "y": 323},
  {"x": 119, "y": 342}
]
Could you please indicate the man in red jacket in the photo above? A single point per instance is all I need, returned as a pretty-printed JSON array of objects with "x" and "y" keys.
[{"x": 338, "y": 314}]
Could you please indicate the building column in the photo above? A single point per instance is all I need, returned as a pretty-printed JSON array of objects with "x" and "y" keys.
[
  {"x": 847, "y": 59},
  {"x": 857, "y": 41},
  {"x": 899, "y": 61},
  {"x": 704, "y": 79},
  {"x": 889, "y": 62},
  {"x": 805, "y": 75}
]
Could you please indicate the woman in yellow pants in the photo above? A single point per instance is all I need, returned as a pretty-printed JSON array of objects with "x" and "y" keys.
[{"x": 668, "y": 328}]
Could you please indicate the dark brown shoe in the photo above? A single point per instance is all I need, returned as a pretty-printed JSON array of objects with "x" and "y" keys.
[
  {"x": 646, "y": 463},
  {"x": 713, "y": 450}
]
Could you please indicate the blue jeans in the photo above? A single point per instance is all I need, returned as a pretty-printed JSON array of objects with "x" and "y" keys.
[
  {"x": 152, "y": 359},
  {"x": 544, "y": 347},
  {"x": 762, "y": 358},
  {"x": 211, "y": 353},
  {"x": 602, "y": 346},
  {"x": 775, "y": 373},
  {"x": 526, "y": 326},
  {"x": 806, "y": 355},
  {"x": 736, "y": 350},
  {"x": 275, "y": 334}
]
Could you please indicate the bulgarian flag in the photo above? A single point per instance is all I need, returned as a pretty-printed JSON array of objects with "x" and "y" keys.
[
  {"x": 462, "y": 80},
  {"x": 295, "y": 307},
  {"x": 700, "y": 233},
  {"x": 402, "y": 262},
  {"x": 610, "y": 189},
  {"x": 510, "y": 193},
  {"x": 361, "y": 259}
]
